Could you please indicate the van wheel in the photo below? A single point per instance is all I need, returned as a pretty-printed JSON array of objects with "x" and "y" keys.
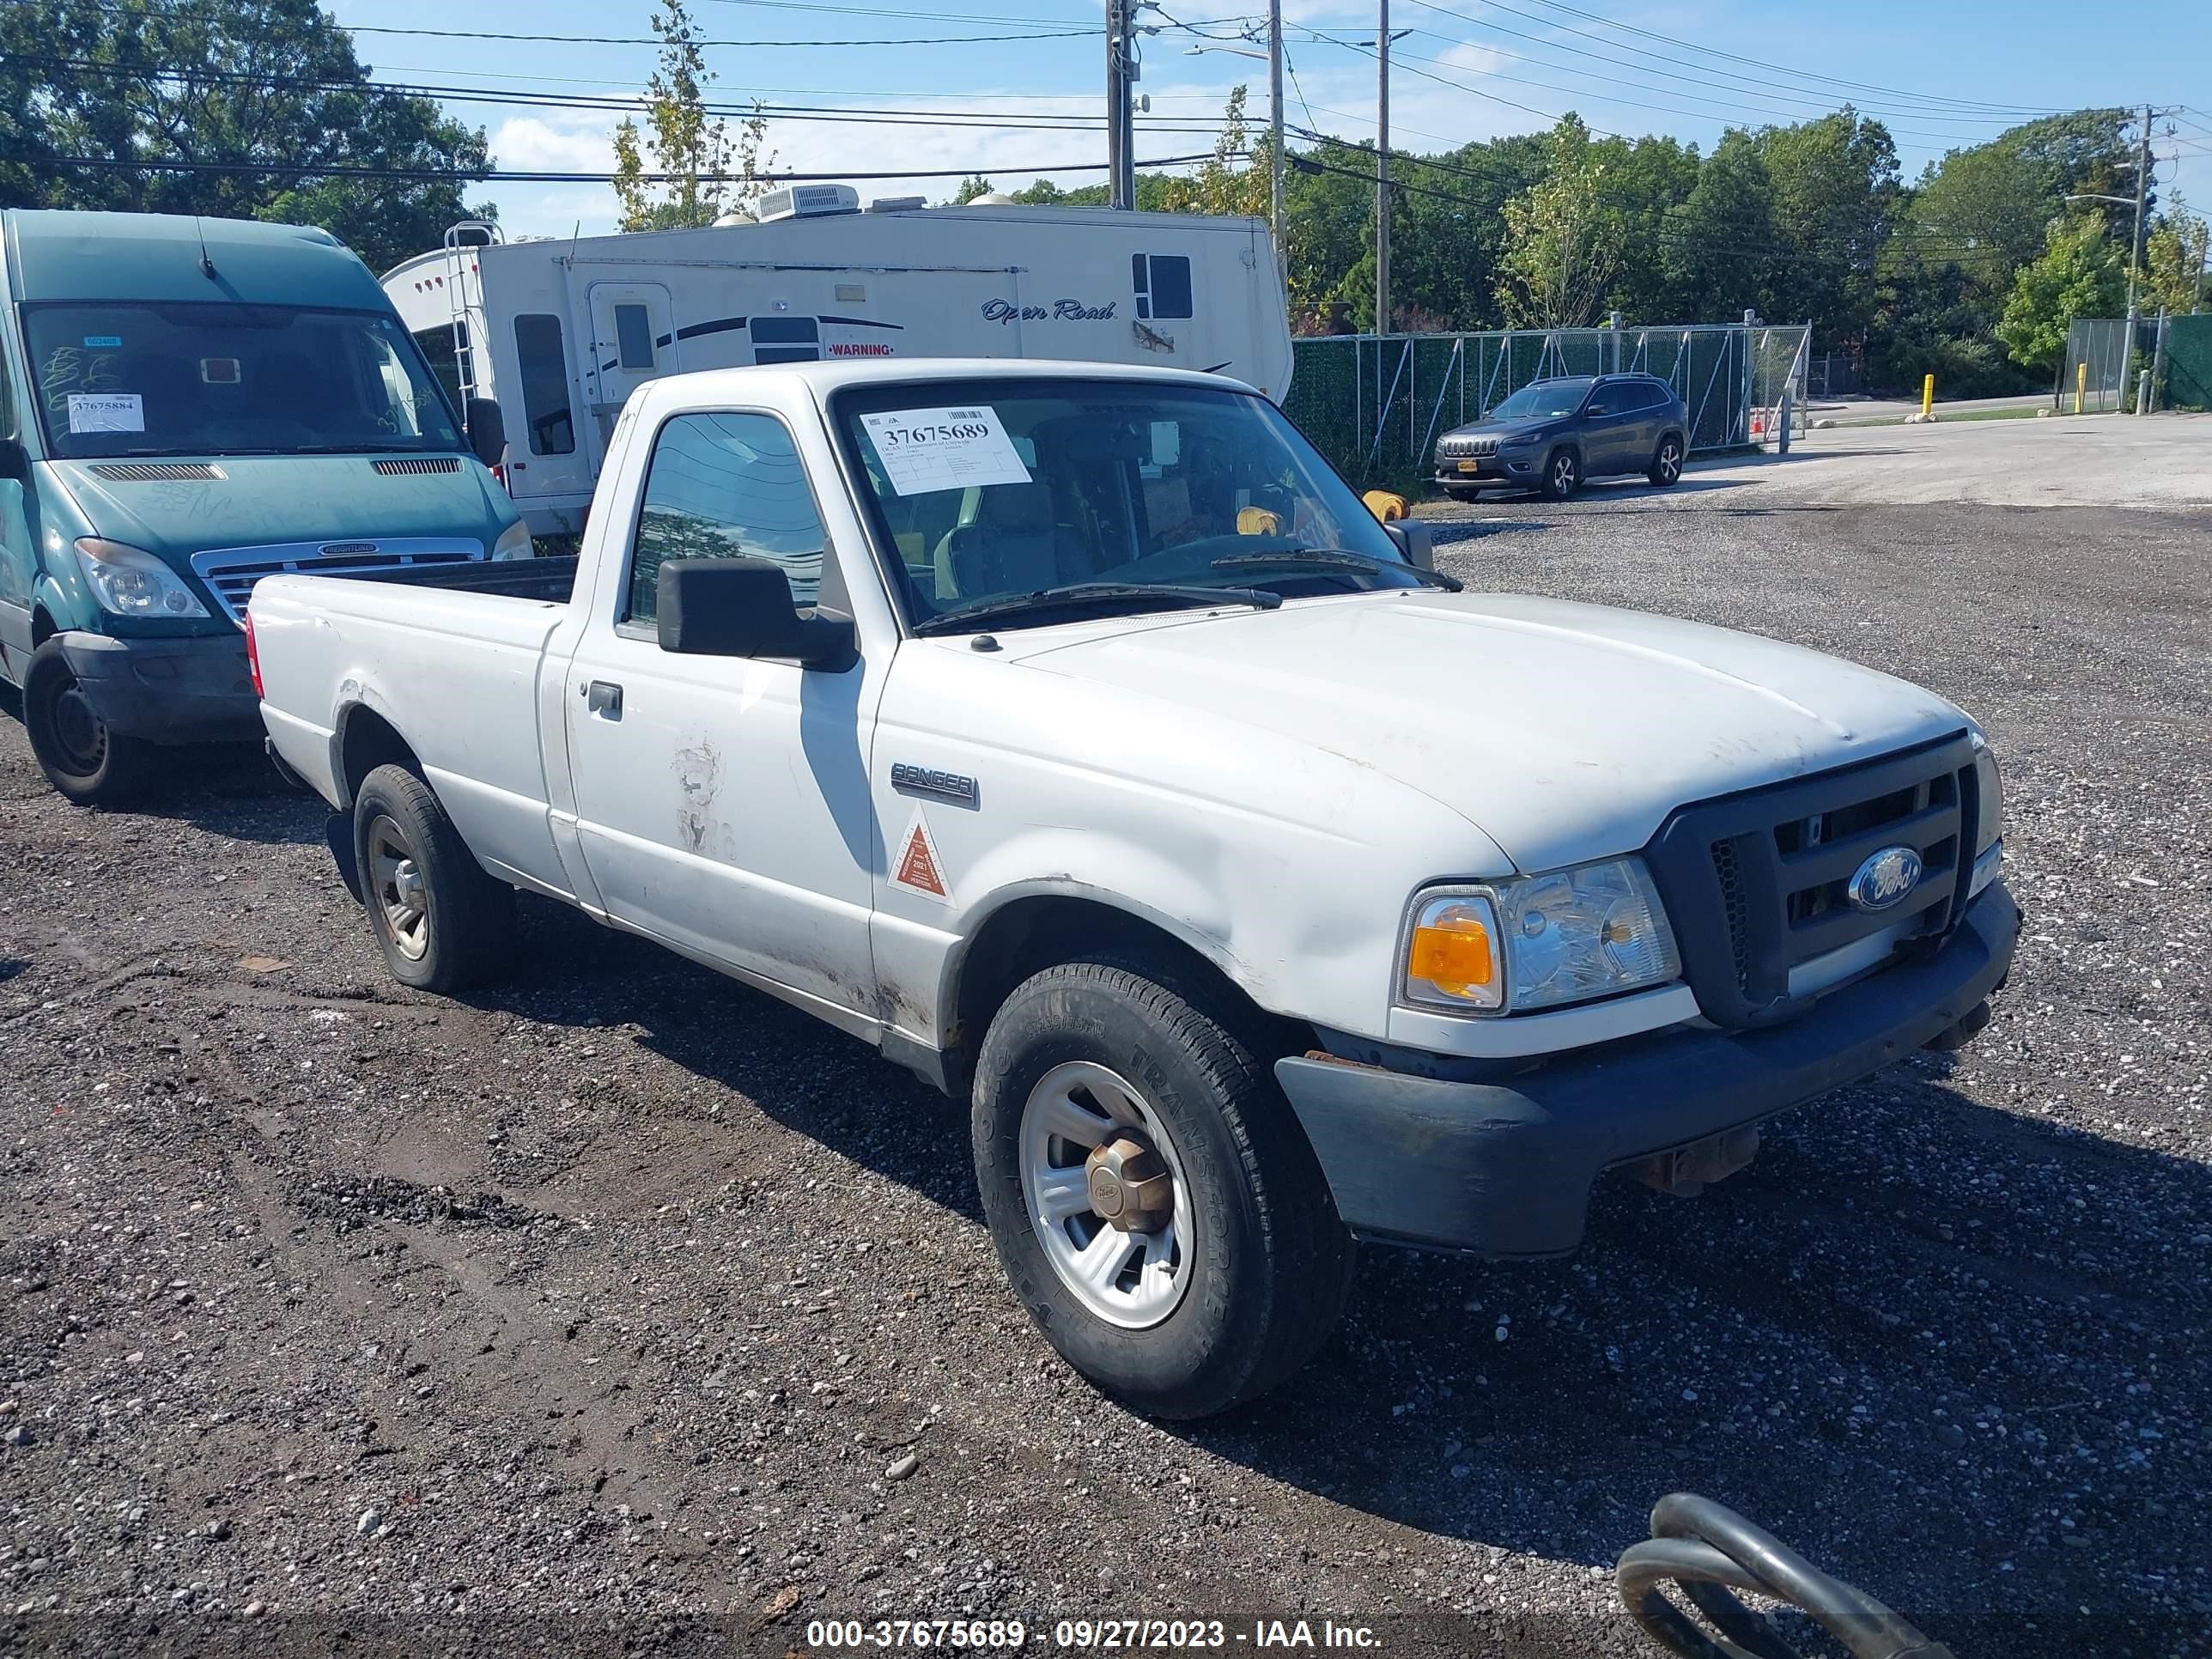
[
  {"x": 90, "y": 764},
  {"x": 1667, "y": 463},
  {"x": 1562, "y": 473},
  {"x": 442, "y": 923},
  {"x": 1153, "y": 1199}
]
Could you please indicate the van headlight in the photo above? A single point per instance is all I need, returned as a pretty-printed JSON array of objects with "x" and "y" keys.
[
  {"x": 1538, "y": 941},
  {"x": 1989, "y": 816},
  {"x": 513, "y": 542},
  {"x": 129, "y": 582}
]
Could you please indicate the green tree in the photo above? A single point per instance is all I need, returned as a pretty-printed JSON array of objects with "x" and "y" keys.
[
  {"x": 709, "y": 167},
  {"x": 973, "y": 185},
  {"x": 1233, "y": 181},
  {"x": 1717, "y": 252},
  {"x": 2082, "y": 273},
  {"x": 1835, "y": 197},
  {"x": 271, "y": 88},
  {"x": 1564, "y": 238},
  {"x": 2174, "y": 259}
]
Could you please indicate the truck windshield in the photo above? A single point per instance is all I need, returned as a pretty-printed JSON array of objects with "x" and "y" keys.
[
  {"x": 205, "y": 379},
  {"x": 990, "y": 490}
]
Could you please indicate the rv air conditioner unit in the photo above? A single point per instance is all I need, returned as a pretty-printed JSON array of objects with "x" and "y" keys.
[{"x": 807, "y": 202}]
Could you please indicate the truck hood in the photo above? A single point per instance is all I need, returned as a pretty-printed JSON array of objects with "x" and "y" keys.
[
  {"x": 268, "y": 499},
  {"x": 1563, "y": 731}
]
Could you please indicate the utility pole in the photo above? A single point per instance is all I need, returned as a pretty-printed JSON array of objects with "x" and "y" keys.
[
  {"x": 1383, "y": 167},
  {"x": 1275, "y": 135},
  {"x": 1120, "y": 169},
  {"x": 2135, "y": 245}
]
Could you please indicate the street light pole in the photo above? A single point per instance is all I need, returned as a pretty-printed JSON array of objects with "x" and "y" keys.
[{"x": 2135, "y": 247}]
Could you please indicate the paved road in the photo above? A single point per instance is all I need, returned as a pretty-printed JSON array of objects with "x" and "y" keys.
[
  {"x": 1863, "y": 408},
  {"x": 593, "y": 1315}
]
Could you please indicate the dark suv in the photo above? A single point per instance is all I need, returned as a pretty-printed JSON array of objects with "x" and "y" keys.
[{"x": 1551, "y": 434}]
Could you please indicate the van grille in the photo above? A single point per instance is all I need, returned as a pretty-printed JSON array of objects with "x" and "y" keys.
[
  {"x": 1755, "y": 884},
  {"x": 230, "y": 573},
  {"x": 155, "y": 471},
  {"x": 425, "y": 464}
]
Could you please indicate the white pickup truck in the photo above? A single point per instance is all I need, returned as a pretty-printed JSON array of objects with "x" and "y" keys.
[{"x": 1075, "y": 735}]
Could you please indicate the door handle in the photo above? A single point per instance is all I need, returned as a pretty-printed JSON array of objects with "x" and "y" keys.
[{"x": 603, "y": 697}]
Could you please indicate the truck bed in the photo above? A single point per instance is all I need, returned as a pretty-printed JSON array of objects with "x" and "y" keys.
[{"x": 552, "y": 580}]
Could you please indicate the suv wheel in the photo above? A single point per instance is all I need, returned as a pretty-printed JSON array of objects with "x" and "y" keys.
[
  {"x": 1562, "y": 473},
  {"x": 1667, "y": 463},
  {"x": 1154, "y": 1203}
]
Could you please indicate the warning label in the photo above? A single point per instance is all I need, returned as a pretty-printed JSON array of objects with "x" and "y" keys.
[{"x": 918, "y": 869}]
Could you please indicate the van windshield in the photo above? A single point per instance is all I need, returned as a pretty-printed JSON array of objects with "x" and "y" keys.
[
  {"x": 213, "y": 378},
  {"x": 995, "y": 491}
]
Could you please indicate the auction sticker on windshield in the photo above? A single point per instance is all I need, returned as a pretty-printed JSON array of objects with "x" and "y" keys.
[
  {"x": 924, "y": 450},
  {"x": 107, "y": 411}
]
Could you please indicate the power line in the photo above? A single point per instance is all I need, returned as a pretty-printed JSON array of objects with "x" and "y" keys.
[{"x": 104, "y": 163}]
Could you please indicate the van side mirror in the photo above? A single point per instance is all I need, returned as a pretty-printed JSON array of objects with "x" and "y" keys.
[
  {"x": 744, "y": 608},
  {"x": 487, "y": 430},
  {"x": 1414, "y": 540},
  {"x": 15, "y": 460}
]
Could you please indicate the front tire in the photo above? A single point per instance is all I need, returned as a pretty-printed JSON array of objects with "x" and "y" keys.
[
  {"x": 83, "y": 759},
  {"x": 1666, "y": 462},
  {"x": 1563, "y": 474},
  {"x": 1107, "y": 1089},
  {"x": 441, "y": 921}
]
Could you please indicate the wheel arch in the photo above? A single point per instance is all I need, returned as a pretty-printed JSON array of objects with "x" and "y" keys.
[
  {"x": 1030, "y": 931},
  {"x": 366, "y": 740}
]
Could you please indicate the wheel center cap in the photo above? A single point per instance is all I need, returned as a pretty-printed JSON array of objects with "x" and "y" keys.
[{"x": 1130, "y": 1185}]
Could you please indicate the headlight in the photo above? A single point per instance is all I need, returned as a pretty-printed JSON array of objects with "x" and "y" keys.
[
  {"x": 1540, "y": 941},
  {"x": 513, "y": 543},
  {"x": 1989, "y": 816},
  {"x": 130, "y": 581}
]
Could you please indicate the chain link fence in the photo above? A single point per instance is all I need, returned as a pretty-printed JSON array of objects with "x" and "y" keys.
[
  {"x": 2094, "y": 381},
  {"x": 1375, "y": 404}
]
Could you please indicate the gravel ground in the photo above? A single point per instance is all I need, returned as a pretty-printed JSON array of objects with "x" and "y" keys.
[{"x": 625, "y": 1311}]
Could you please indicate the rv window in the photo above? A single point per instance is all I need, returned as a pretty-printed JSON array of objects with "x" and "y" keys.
[
  {"x": 544, "y": 384},
  {"x": 1163, "y": 283},
  {"x": 786, "y": 340},
  {"x": 634, "y": 338},
  {"x": 721, "y": 487}
]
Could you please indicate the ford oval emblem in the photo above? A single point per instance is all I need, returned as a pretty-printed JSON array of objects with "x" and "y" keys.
[{"x": 1885, "y": 878}]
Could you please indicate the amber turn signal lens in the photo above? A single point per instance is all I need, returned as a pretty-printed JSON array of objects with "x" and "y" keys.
[{"x": 1452, "y": 952}]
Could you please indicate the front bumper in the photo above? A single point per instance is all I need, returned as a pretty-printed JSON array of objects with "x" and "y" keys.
[
  {"x": 1504, "y": 1168},
  {"x": 1492, "y": 471},
  {"x": 191, "y": 689}
]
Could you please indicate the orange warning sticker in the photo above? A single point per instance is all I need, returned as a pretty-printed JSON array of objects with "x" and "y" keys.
[{"x": 917, "y": 868}]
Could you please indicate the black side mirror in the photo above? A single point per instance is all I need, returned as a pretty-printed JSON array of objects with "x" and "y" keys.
[
  {"x": 487, "y": 430},
  {"x": 744, "y": 608},
  {"x": 1415, "y": 541},
  {"x": 15, "y": 460}
]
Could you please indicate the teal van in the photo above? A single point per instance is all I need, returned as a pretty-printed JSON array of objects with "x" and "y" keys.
[{"x": 187, "y": 405}]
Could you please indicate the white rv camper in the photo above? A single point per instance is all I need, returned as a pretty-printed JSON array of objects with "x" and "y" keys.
[{"x": 560, "y": 332}]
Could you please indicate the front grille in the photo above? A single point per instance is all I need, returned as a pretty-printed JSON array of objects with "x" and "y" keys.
[
  {"x": 1457, "y": 447},
  {"x": 231, "y": 573},
  {"x": 424, "y": 464},
  {"x": 156, "y": 471},
  {"x": 1756, "y": 884}
]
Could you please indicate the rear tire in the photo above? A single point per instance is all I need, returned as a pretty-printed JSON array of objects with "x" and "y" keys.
[
  {"x": 81, "y": 758},
  {"x": 441, "y": 921},
  {"x": 1666, "y": 462},
  {"x": 1563, "y": 474},
  {"x": 1256, "y": 1264}
]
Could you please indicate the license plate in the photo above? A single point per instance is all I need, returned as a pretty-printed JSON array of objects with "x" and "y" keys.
[{"x": 1470, "y": 467}]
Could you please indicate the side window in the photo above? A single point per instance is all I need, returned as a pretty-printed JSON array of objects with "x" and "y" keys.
[
  {"x": 1606, "y": 400},
  {"x": 544, "y": 384},
  {"x": 1162, "y": 283},
  {"x": 786, "y": 339},
  {"x": 724, "y": 486},
  {"x": 634, "y": 338}
]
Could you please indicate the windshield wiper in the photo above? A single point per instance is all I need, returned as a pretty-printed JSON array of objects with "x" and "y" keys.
[
  {"x": 1083, "y": 595},
  {"x": 1337, "y": 558},
  {"x": 360, "y": 449}
]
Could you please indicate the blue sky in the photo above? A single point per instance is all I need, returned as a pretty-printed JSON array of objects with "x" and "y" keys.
[{"x": 1958, "y": 71}]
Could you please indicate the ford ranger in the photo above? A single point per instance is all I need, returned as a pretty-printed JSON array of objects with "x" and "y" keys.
[{"x": 1076, "y": 737}]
